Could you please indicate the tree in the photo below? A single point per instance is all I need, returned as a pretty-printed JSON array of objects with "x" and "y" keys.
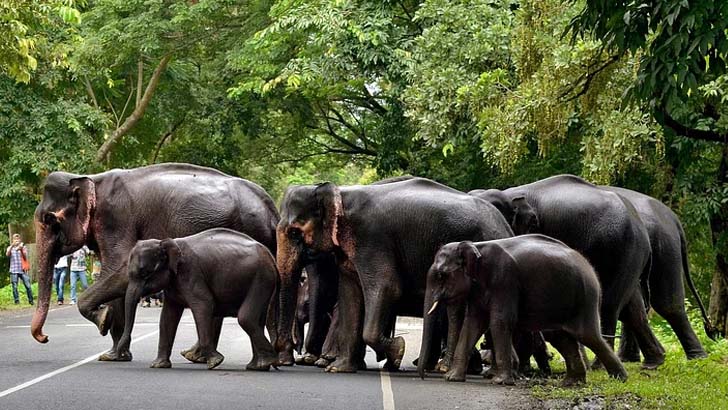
[{"x": 682, "y": 76}]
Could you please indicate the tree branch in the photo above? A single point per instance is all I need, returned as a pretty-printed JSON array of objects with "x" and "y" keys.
[
  {"x": 587, "y": 78},
  {"x": 90, "y": 92},
  {"x": 169, "y": 133},
  {"x": 692, "y": 133},
  {"x": 140, "y": 81},
  {"x": 138, "y": 112}
]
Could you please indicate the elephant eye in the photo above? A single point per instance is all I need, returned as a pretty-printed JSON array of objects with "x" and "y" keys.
[{"x": 295, "y": 234}]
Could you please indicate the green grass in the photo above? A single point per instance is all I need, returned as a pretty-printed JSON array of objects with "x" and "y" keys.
[{"x": 678, "y": 384}]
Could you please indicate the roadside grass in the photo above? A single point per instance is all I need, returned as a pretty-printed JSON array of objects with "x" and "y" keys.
[
  {"x": 678, "y": 384},
  {"x": 6, "y": 294}
]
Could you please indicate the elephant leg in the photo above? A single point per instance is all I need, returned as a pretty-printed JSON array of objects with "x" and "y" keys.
[
  {"x": 502, "y": 332},
  {"x": 592, "y": 339},
  {"x": 569, "y": 349},
  {"x": 202, "y": 313},
  {"x": 194, "y": 353},
  {"x": 635, "y": 317},
  {"x": 473, "y": 327},
  {"x": 668, "y": 300},
  {"x": 348, "y": 339},
  {"x": 252, "y": 318},
  {"x": 116, "y": 327},
  {"x": 95, "y": 304},
  {"x": 329, "y": 350},
  {"x": 629, "y": 350},
  {"x": 379, "y": 300},
  {"x": 541, "y": 353},
  {"x": 168, "y": 323},
  {"x": 455, "y": 317},
  {"x": 319, "y": 320}
]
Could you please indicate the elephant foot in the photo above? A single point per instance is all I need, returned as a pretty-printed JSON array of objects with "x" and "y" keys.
[
  {"x": 698, "y": 354},
  {"x": 630, "y": 357},
  {"x": 341, "y": 366},
  {"x": 490, "y": 373},
  {"x": 114, "y": 356},
  {"x": 262, "y": 363},
  {"x": 285, "y": 358},
  {"x": 104, "y": 322},
  {"x": 455, "y": 376},
  {"x": 307, "y": 360},
  {"x": 214, "y": 360},
  {"x": 194, "y": 355},
  {"x": 653, "y": 364},
  {"x": 571, "y": 381},
  {"x": 161, "y": 364},
  {"x": 395, "y": 353},
  {"x": 322, "y": 363},
  {"x": 442, "y": 366}
]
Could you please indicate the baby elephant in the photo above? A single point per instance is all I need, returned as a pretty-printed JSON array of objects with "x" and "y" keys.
[
  {"x": 529, "y": 283},
  {"x": 216, "y": 273}
]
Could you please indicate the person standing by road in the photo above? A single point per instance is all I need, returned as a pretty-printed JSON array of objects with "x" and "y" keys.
[
  {"x": 19, "y": 267},
  {"x": 60, "y": 270},
  {"x": 78, "y": 271}
]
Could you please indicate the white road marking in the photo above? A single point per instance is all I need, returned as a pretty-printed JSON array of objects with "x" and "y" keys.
[
  {"x": 65, "y": 369},
  {"x": 18, "y": 327},
  {"x": 387, "y": 395}
]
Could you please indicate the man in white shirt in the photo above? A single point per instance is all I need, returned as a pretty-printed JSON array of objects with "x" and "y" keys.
[
  {"x": 60, "y": 271},
  {"x": 78, "y": 271}
]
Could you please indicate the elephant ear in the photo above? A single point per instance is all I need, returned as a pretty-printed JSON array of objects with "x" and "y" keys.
[
  {"x": 525, "y": 219},
  {"x": 83, "y": 197},
  {"x": 329, "y": 201},
  {"x": 172, "y": 254},
  {"x": 471, "y": 259}
]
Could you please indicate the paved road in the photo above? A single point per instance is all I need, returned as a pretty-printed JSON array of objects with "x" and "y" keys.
[{"x": 64, "y": 374}]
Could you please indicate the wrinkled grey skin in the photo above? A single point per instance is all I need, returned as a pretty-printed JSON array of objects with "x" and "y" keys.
[
  {"x": 384, "y": 241},
  {"x": 526, "y": 283},
  {"x": 669, "y": 266},
  {"x": 606, "y": 229},
  {"x": 109, "y": 212},
  {"x": 216, "y": 273}
]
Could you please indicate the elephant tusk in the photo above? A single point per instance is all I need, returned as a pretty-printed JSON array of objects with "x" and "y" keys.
[{"x": 432, "y": 309}]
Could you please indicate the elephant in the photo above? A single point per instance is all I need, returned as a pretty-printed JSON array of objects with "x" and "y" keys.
[
  {"x": 109, "y": 212},
  {"x": 669, "y": 264},
  {"x": 384, "y": 239},
  {"x": 216, "y": 273},
  {"x": 605, "y": 228},
  {"x": 528, "y": 283}
]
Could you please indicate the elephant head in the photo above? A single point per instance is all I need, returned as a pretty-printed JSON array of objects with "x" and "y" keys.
[
  {"x": 449, "y": 280},
  {"x": 152, "y": 266},
  {"x": 308, "y": 228},
  {"x": 62, "y": 225},
  {"x": 516, "y": 209}
]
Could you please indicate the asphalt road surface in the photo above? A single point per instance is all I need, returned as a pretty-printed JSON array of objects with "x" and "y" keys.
[{"x": 64, "y": 374}]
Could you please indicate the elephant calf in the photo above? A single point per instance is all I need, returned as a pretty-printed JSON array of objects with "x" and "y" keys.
[
  {"x": 216, "y": 273},
  {"x": 529, "y": 282}
]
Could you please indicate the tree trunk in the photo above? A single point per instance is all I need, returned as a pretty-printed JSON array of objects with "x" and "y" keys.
[
  {"x": 718, "y": 309},
  {"x": 138, "y": 112}
]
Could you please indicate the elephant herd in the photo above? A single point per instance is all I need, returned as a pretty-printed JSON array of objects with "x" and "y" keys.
[{"x": 583, "y": 257}]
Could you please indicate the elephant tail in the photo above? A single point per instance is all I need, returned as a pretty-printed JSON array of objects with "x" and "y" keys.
[
  {"x": 711, "y": 331},
  {"x": 645, "y": 282}
]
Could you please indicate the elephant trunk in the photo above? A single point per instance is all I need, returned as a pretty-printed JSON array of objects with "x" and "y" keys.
[
  {"x": 46, "y": 243},
  {"x": 289, "y": 271},
  {"x": 428, "y": 327},
  {"x": 133, "y": 293}
]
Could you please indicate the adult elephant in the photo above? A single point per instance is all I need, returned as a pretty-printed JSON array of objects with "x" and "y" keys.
[
  {"x": 605, "y": 228},
  {"x": 109, "y": 212},
  {"x": 669, "y": 264},
  {"x": 384, "y": 237}
]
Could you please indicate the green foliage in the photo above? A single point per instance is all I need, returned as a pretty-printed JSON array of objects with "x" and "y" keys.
[{"x": 678, "y": 384}]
